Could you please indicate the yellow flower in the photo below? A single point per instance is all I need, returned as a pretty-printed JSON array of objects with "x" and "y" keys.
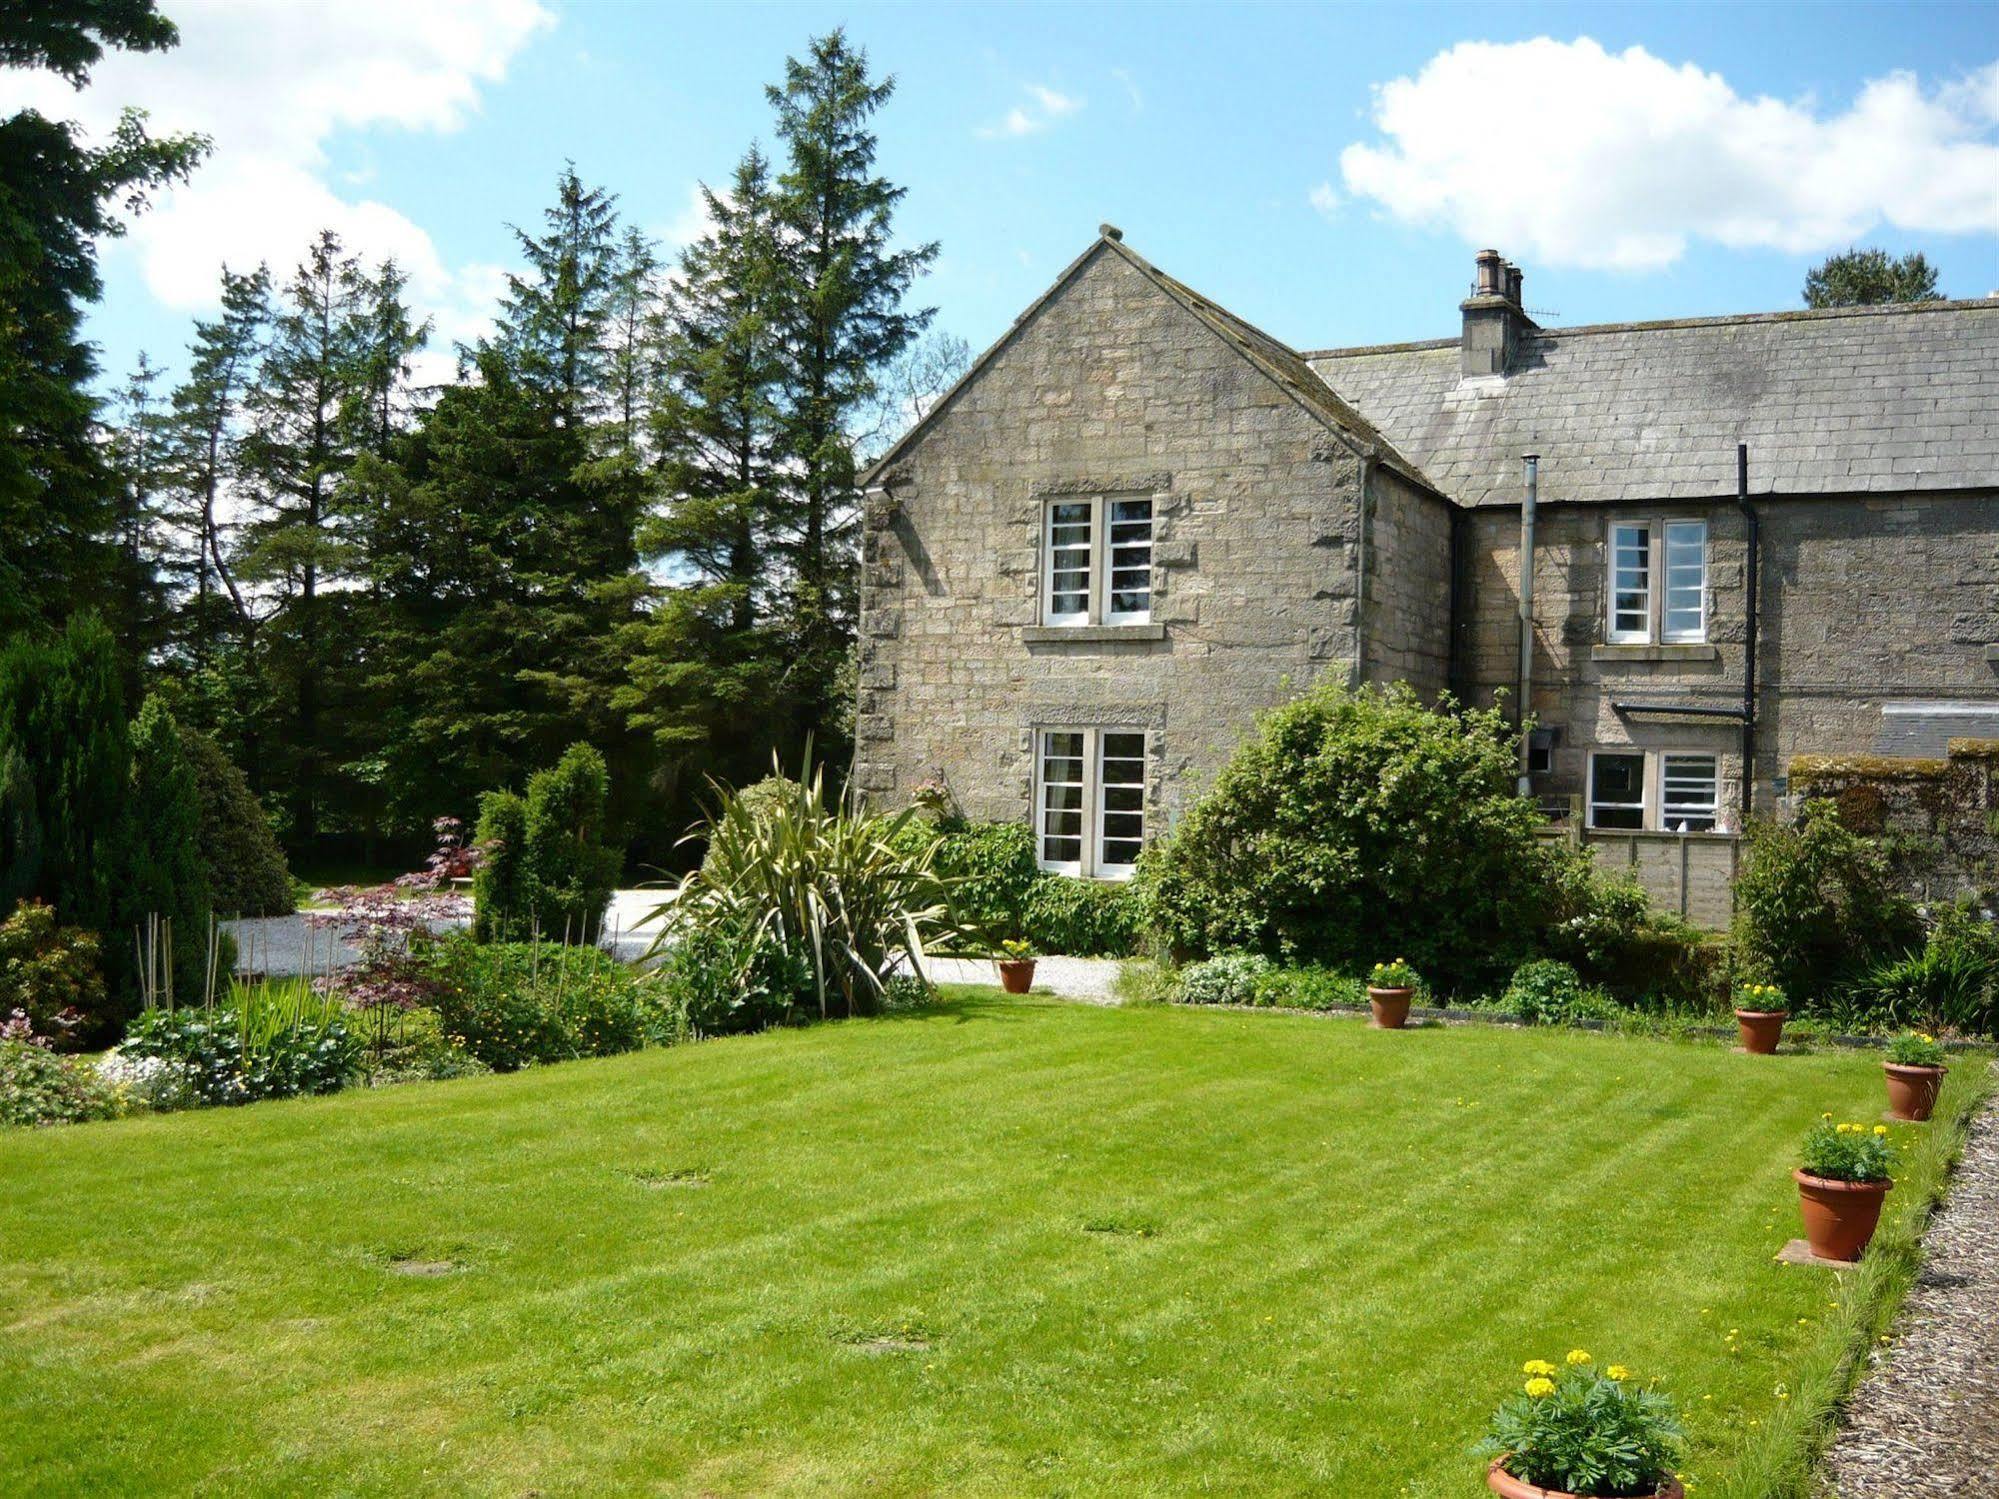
[
  {"x": 1880, "y": 1129},
  {"x": 1618, "y": 1372},
  {"x": 1539, "y": 1386},
  {"x": 1537, "y": 1366},
  {"x": 1577, "y": 1356},
  {"x": 1826, "y": 1115}
]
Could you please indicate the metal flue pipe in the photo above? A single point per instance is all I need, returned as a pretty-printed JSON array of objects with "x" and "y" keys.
[{"x": 1526, "y": 683}]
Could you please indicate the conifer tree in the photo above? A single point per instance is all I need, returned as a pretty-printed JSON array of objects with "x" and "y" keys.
[
  {"x": 556, "y": 318},
  {"x": 135, "y": 602},
  {"x": 846, "y": 319}
]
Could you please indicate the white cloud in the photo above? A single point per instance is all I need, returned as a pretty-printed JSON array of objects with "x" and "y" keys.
[
  {"x": 1577, "y": 156},
  {"x": 272, "y": 85},
  {"x": 1324, "y": 199},
  {"x": 1044, "y": 108}
]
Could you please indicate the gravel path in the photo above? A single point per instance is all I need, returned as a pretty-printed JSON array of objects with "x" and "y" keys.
[
  {"x": 284, "y": 945},
  {"x": 1925, "y": 1423}
]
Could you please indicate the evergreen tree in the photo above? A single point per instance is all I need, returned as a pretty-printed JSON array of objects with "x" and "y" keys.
[
  {"x": 569, "y": 872},
  {"x": 207, "y": 407},
  {"x": 556, "y": 319},
  {"x": 299, "y": 444},
  {"x": 58, "y": 198},
  {"x": 1863, "y": 278},
  {"x": 380, "y": 404},
  {"x": 707, "y": 663},
  {"x": 166, "y": 877},
  {"x": 845, "y": 321},
  {"x": 144, "y": 568},
  {"x": 634, "y": 338}
]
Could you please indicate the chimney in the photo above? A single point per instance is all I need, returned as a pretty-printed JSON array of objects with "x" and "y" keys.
[{"x": 1496, "y": 327}]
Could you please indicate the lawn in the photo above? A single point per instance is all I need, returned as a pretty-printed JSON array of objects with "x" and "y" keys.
[{"x": 1005, "y": 1248}]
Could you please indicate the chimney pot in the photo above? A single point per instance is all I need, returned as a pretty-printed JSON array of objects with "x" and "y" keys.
[
  {"x": 1513, "y": 279},
  {"x": 1488, "y": 283}
]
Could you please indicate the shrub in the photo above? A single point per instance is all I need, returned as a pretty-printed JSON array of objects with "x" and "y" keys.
[
  {"x": 1353, "y": 821},
  {"x": 502, "y": 910},
  {"x": 570, "y": 872},
  {"x": 247, "y": 875},
  {"x": 721, "y": 982},
  {"x": 999, "y": 891},
  {"x": 1231, "y": 979},
  {"x": 1310, "y": 988},
  {"x": 513, "y": 1004},
  {"x": 1550, "y": 992},
  {"x": 1580, "y": 1431},
  {"x": 414, "y": 1048},
  {"x": 1606, "y": 928},
  {"x": 166, "y": 877},
  {"x": 1847, "y": 1152},
  {"x": 1083, "y": 918},
  {"x": 48, "y": 972},
  {"x": 1950, "y": 983},
  {"x": 1914, "y": 1049},
  {"x": 39, "y": 1087},
  {"x": 270, "y": 1040},
  {"x": 1816, "y": 907},
  {"x": 841, "y": 889}
]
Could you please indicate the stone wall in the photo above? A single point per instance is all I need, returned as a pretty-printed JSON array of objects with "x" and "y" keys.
[
  {"x": 1864, "y": 602},
  {"x": 1406, "y": 620},
  {"x": 1110, "y": 386},
  {"x": 1937, "y": 817}
]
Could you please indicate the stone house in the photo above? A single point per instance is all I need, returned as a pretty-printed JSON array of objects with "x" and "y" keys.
[{"x": 1138, "y": 521}]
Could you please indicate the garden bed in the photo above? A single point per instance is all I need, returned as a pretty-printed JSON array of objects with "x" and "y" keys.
[{"x": 999, "y": 1247}]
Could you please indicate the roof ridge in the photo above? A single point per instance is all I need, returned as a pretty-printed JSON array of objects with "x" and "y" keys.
[{"x": 1713, "y": 320}]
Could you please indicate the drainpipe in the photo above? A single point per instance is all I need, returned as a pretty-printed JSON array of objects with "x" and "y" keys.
[
  {"x": 1749, "y": 647},
  {"x": 1533, "y": 462}
]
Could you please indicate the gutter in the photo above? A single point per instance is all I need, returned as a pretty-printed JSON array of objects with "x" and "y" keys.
[
  {"x": 1525, "y": 784},
  {"x": 1754, "y": 547}
]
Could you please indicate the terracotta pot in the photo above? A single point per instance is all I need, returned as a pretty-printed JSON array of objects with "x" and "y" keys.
[
  {"x": 1016, "y": 974},
  {"x": 1912, "y": 1091},
  {"x": 1506, "y": 1485},
  {"x": 1389, "y": 1006},
  {"x": 1839, "y": 1216},
  {"x": 1760, "y": 1029}
]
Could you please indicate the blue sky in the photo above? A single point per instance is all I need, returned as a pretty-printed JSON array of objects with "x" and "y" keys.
[{"x": 1267, "y": 155}]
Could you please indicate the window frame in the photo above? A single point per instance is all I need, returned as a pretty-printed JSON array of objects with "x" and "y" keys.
[
  {"x": 1092, "y": 863},
  {"x": 1099, "y": 586},
  {"x": 1644, "y": 803},
  {"x": 1658, "y": 588},
  {"x": 1712, "y": 810}
]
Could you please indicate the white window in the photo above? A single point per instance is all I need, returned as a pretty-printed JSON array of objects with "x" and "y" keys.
[
  {"x": 1097, "y": 561},
  {"x": 1617, "y": 791},
  {"x": 1687, "y": 786},
  {"x": 1640, "y": 556},
  {"x": 1090, "y": 801},
  {"x": 1630, "y": 583},
  {"x": 1686, "y": 580}
]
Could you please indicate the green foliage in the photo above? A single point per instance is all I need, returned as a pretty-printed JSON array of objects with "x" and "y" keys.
[
  {"x": 415, "y": 1049},
  {"x": 1950, "y": 982},
  {"x": 1354, "y": 821},
  {"x": 1579, "y": 1431},
  {"x": 166, "y": 876},
  {"x": 1607, "y": 929},
  {"x": 246, "y": 870},
  {"x": 268, "y": 1040},
  {"x": 1549, "y": 992},
  {"x": 1764, "y": 997},
  {"x": 1863, "y": 278},
  {"x": 1816, "y": 906},
  {"x": 1231, "y": 979},
  {"x": 47, "y": 969},
  {"x": 1915, "y": 1049},
  {"x": 1310, "y": 988},
  {"x": 1084, "y": 918},
  {"x": 569, "y": 873},
  {"x": 502, "y": 910},
  {"x": 837, "y": 886},
  {"x": 721, "y": 981},
  {"x": 514, "y": 1004},
  {"x": 1847, "y": 1152},
  {"x": 39, "y": 1087},
  {"x": 999, "y": 891}
]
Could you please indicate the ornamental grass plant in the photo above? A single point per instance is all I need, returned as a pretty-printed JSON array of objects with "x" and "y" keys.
[{"x": 1582, "y": 1430}]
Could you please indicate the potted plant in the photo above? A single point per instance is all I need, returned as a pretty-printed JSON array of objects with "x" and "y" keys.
[
  {"x": 1390, "y": 987},
  {"x": 1841, "y": 1186},
  {"x": 1016, "y": 965},
  {"x": 1575, "y": 1430},
  {"x": 1915, "y": 1071},
  {"x": 1759, "y": 1016}
]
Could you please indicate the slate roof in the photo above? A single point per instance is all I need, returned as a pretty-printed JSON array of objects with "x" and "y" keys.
[{"x": 1853, "y": 400}]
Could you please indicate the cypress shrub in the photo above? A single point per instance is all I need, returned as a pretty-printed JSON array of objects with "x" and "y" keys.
[
  {"x": 570, "y": 873},
  {"x": 247, "y": 874},
  {"x": 165, "y": 873},
  {"x": 500, "y": 907}
]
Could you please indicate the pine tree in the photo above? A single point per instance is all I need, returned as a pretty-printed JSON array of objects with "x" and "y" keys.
[
  {"x": 634, "y": 338},
  {"x": 298, "y": 446},
  {"x": 58, "y": 199},
  {"x": 846, "y": 320},
  {"x": 1865, "y": 278},
  {"x": 556, "y": 319},
  {"x": 380, "y": 403},
  {"x": 706, "y": 665},
  {"x": 135, "y": 602}
]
